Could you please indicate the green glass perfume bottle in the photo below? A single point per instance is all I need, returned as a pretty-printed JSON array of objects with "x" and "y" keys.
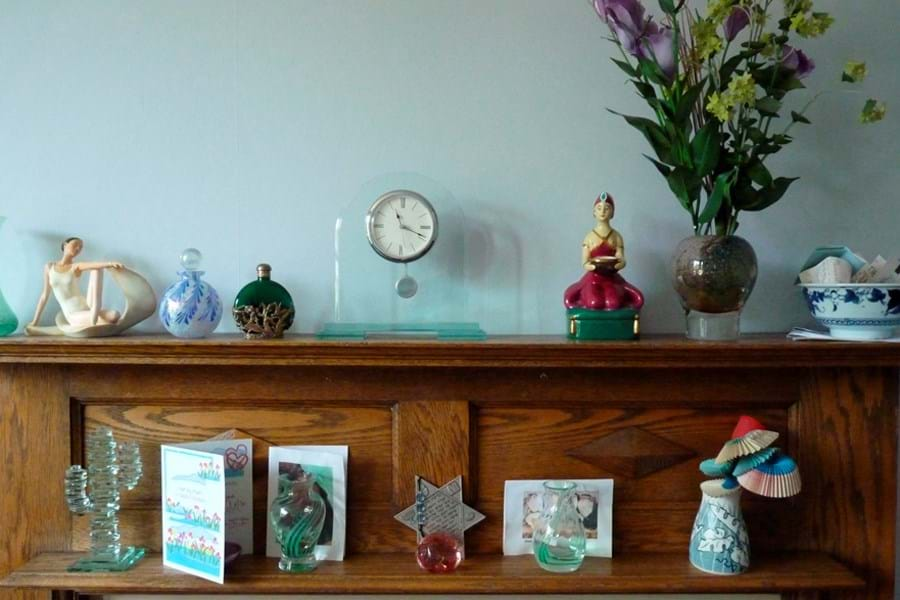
[{"x": 263, "y": 308}]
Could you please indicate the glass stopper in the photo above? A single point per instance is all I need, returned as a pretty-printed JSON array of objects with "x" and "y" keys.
[{"x": 191, "y": 259}]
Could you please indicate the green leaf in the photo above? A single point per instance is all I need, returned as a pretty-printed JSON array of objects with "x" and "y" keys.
[
  {"x": 667, "y": 6},
  {"x": 629, "y": 70},
  {"x": 846, "y": 78},
  {"x": 721, "y": 191},
  {"x": 768, "y": 106},
  {"x": 743, "y": 196},
  {"x": 685, "y": 186},
  {"x": 790, "y": 83},
  {"x": 759, "y": 174},
  {"x": 705, "y": 148},
  {"x": 654, "y": 134},
  {"x": 756, "y": 135},
  {"x": 687, "y": 102},
  {"x": 644, "y": 89},
  {"x": 798, "y": 118},
  {"x": 662, "y": 168},
  {"x": 728, "y": 69},
  {"x": 653, "y": 72},
  {"x": 772, "y": 194}
]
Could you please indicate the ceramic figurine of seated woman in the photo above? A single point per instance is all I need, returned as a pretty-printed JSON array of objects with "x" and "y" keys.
[
  {"x": 603, "y": 256},
  {"x": 83, "y": 315}
]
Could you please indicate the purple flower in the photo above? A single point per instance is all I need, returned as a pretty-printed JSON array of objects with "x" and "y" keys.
[
  {"x": 639, "y": 36},
  {"x": 794, "y": 59},
  {"x": 736, "y": 21},
  {"x": 627, "y": 11},
  {"x": 661, "y": 43}
]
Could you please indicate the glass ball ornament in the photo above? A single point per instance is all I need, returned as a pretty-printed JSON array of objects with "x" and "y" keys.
[
  {"x": 191, "y": 307},
  {"x": 439, "y": 553}
]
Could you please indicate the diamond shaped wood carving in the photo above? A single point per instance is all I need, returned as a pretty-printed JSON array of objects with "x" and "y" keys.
[{"x": 632, "y": 452}]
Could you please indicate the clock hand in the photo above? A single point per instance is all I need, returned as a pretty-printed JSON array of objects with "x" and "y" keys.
[{"x": 412, "y": 231}]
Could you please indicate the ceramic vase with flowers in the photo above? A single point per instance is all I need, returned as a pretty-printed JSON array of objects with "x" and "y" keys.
[
  {"x": 748, "y": 461},
  {"x": 717, "y": 84}
]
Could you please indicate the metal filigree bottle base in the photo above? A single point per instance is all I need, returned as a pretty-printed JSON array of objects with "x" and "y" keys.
[{"x": 128, "y": 557}]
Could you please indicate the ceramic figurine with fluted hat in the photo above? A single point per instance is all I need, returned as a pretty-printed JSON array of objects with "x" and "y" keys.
[
  {"x": 748, "y": 461},
  {"x": 602, "y": 305}
]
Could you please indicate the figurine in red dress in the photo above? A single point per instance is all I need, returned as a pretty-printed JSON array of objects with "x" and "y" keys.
[{"x": 603, "y": 256}]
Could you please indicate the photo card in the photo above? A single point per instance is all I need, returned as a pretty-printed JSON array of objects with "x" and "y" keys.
[
  {"x": 329, "y": 465},
  {"x": 523, "y": 503}
]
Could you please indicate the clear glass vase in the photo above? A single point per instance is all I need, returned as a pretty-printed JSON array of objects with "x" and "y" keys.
[
  {"x": 8, "y": 321},
  {"x": 559, "y": 539},
  {"x": 297, "y": 515}
]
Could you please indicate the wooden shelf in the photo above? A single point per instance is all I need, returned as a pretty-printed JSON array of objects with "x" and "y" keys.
[
  {"x": 768, "y": 350},
  {"x": 398, "y": 574}
]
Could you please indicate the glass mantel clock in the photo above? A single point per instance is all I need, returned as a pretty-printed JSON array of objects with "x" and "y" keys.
[{"x": 399, "y": 263}]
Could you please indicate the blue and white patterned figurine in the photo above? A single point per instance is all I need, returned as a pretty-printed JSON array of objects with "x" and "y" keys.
[{"x": 190, "y": 308}]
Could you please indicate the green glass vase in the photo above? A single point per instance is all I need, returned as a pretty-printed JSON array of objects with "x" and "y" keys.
[
  {"x": 298, "y": 517},
  {"x": 263, "y": 308},
  {"x": 8, "y": 321}
]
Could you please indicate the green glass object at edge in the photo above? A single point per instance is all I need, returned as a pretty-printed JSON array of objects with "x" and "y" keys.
[
  {"x": 111, "y": 468},
  {"x": 560, "y": 540},
  {"x": 297, "y": 516},
  {"x": 8, "y": 321},
  {"x": 263, "y": 308}
]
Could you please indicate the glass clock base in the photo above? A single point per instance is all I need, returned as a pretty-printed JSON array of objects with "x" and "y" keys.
[{"x": 440, "y": 331}]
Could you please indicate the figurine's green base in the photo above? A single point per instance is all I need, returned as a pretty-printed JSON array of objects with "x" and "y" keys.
[
  {"x": 128, "y": 557},
  {"x": 586, "y": 324},
  {"x": 440, "y": 331}
]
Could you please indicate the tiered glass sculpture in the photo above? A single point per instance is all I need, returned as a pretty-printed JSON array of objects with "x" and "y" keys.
[{"x": 111, "y": 467}]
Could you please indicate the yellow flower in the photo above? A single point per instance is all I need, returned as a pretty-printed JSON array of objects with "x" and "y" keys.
[
  {"x": 718, "y": 10},
  {"x": 873, "y": 111},
  {"x": 718, "y": 107},
  {"x": 813, "y": 25},
  {"x": 769, "y": 40},
  {"x": 793, "y": 6},
  {"x": 741, "y": 90},
  {"x": 855, "y": 72},
  {"x": 706, "y": 40}
]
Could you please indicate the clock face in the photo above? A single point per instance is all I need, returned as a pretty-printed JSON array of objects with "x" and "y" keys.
[{"x": 401, "y": 226}]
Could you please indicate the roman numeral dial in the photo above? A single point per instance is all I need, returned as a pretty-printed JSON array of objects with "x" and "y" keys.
[{"x": 401, "y": 226}]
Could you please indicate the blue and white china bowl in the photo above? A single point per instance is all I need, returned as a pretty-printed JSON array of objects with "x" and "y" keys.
[
  {"x": 855, "y": 311},
  {"x": 190, "y": 308}
]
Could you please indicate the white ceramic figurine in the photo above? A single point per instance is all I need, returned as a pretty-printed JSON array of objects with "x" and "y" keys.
[{"x": 83, "y": 315}]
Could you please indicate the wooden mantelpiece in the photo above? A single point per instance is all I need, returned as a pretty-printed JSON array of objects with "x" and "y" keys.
[{"x": 507, "y": 408}]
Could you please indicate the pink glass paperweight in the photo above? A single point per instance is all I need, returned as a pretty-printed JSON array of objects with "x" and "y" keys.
[{"x": 439, "y": 553}]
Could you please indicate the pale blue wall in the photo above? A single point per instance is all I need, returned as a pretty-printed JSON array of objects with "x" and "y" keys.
[{"x": 242, "y": 127}]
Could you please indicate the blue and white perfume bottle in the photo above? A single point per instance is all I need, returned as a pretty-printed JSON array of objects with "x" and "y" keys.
[{"x": 190, "y": 308}]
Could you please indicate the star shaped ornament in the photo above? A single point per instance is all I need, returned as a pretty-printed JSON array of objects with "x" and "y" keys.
[{"x": 440, "y": 509}]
